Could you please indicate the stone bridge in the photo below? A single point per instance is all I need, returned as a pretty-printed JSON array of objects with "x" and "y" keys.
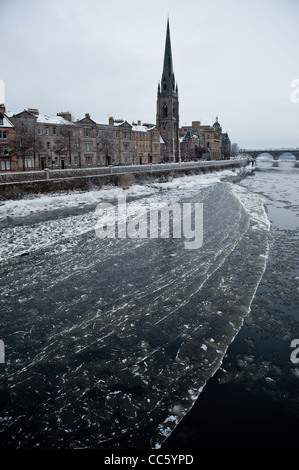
[{"x": 274, "y": 153}]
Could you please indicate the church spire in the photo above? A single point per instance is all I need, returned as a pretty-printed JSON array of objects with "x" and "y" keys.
[
  {"x": 168, "y": 106},
  {"x": 168, "y": 79}
]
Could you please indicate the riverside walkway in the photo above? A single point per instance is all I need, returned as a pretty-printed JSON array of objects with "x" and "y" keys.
[{"x": 14, "y": 185}]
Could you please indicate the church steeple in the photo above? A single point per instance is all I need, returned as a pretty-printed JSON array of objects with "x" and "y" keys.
[
  {"x": 168, "y": 105},
  {"x": 168, "y": 78}
]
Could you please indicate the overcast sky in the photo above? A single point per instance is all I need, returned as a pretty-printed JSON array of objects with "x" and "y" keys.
[{"x": 235, "y": 59}]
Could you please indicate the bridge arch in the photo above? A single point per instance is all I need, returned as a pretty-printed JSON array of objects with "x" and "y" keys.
[
  {"x": 276, "y": 154},
  {"x": 265, "y": 157},
  {"x": 287, "y": 156}
]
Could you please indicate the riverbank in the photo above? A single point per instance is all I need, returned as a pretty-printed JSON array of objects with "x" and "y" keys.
[{"x": 18, "y": 185}]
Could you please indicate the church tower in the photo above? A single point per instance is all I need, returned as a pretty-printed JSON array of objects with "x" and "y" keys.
[{"x": 168, "y": 105}]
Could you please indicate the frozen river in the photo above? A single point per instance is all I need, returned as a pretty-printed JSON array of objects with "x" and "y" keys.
[
  {"x": 109, "y": 342},
  {"x": 252, "y": 400}
]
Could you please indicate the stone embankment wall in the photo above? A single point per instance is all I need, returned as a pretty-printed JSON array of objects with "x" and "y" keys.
[{"x": 17, "y": 185}]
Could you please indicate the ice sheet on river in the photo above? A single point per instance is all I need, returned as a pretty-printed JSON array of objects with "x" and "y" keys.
[{"x": 109, "y": 342}]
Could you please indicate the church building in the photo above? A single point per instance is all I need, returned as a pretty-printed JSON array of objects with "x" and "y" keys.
[{"x": 168, "y": 106}]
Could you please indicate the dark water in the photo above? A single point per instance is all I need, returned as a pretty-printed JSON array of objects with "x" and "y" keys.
[
  {"x": 109, "y": 343},
  {"x": 253, "y": 400}
]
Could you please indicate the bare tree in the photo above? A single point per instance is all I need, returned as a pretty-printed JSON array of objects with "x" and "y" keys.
[
  {"x": 235, "y": 150},
  {"x": 24, "y": 144},
  {"x": 65, "y": 143},
  {"x": 107, "y": 144}
]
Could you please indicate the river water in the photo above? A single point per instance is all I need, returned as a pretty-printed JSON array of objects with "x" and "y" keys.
[
  {"x": 110, "y": 342},
  {"x": 252, "y": 401}
]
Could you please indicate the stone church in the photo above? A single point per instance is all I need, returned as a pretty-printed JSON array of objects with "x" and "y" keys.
[
  {"x": 189, "y": 142},
  {"x": 168, "y": 106}
]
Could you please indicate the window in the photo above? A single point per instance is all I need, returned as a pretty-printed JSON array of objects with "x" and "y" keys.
[
  {"x": 87, "y": 132},
  {"x": 4, "y": 135},
  {"x": 5, "y": 165},
  {"x": 28, "y": 162},
  {"x": 48, "y": 145},
  {"x": 88, "y": 160},
  {"x": 87, "y": 147},
  {"x": 47, "y": 131},
  {"x": 0, "y": 134},
  {"x": 54, "y": 130}
]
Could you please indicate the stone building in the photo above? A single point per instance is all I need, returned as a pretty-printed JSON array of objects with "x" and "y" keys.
[
  {"x": 86, "y": 143},
  {"x": 146, "y": 142},
  {"x": 225, "y": 146},
  {"x": 107, "y": 144},
  {"x": 57, "y": 141},
  {"x": 137, "y": 143},
  {"x": 192, "y": 146},
  {"x": 44, "y": 141},
  {"x": 211, "y": 140},
  {"x": 8, "y": 160}
]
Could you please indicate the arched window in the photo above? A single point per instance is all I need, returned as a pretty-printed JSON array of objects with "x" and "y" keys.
[{"x": 165, "y": 110}]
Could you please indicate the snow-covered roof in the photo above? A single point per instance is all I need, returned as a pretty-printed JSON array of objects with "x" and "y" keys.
[
  {"x": 6, "y": 122},
  {"x": 10, "y": 114},
  {"x": 46, "y": 118},
  {"x": 53, "y": 119},
  {"x": 140, "y": 129}
]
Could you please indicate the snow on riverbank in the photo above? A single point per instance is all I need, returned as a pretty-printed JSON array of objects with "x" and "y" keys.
[{"x": 35, "y": 204}]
